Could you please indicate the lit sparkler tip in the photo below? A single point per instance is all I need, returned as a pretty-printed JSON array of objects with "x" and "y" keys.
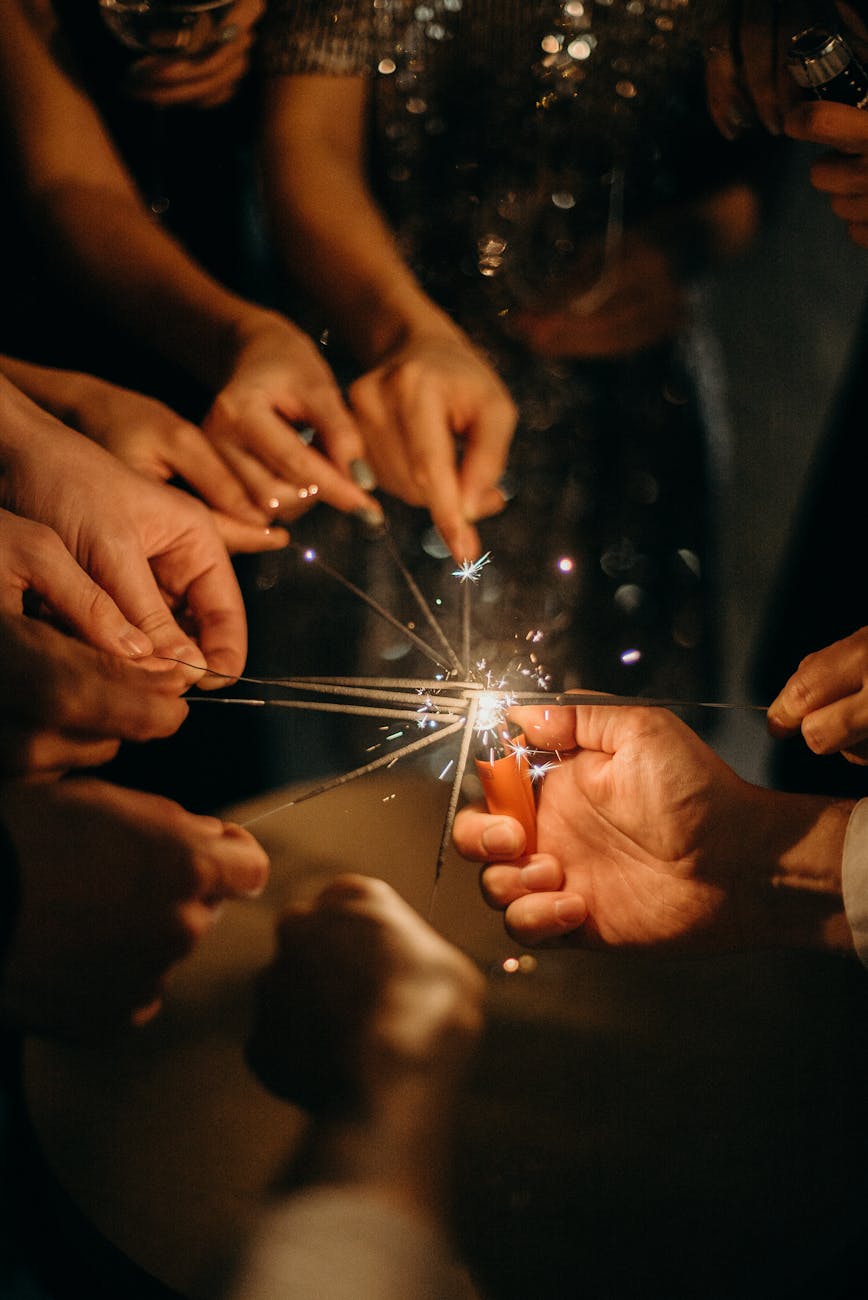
[
  {"x": 490, "y": 713},
  {"x": 469, "y": 570}
]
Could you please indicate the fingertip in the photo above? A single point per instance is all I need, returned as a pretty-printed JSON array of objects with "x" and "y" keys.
[
  {"x": 503, "y": 839},
  {"x": 143, "y": 1015},
  {"x": 780, "y": 723},
  {"x": 466, "y": 544},
  {"x": 189, "y": 658},
  {"x": 570, "y": 912}
]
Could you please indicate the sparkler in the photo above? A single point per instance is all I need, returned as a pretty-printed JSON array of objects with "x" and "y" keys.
[{"x": 463, "y": 701}]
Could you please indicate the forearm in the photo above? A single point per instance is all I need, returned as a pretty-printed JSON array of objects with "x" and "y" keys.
[
  {"x": 401, "y": 1150},
  {"x": 136, "y": 275},
  {"x": 330, "y": 233},
  {"x": 793, "y": 893},
  {"x": 82, "y": 202}
]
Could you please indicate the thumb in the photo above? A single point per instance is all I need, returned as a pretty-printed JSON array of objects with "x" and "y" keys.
[{"x": 135, "y": 589}]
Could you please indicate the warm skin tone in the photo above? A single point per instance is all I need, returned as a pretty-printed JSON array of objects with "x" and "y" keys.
[
  {"x": 66, "y": 705},
  {"x": 153, "y": 549},
  {"x": 115, "y": 888},
  {"x": 424, "y": 384},
  {"x": 148, "y": 437},
  {"x": 266, "y": 375},
  {"x": 203, "y": 82},
  {"x": 368, "y": 1017},
  {"x": 646, "y": 838},
  {"x": 826, "y": 699}
]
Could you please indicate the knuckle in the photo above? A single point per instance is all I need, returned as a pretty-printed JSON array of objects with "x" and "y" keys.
[
  {"x": 801, "y": 690},
  {"x": 815, "y": 737}
]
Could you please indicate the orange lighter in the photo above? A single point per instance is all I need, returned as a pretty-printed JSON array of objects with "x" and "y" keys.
[{"x": 503, "y": 768}]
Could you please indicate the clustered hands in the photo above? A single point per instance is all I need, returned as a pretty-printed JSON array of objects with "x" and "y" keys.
[{"x": 114, "y": 886}]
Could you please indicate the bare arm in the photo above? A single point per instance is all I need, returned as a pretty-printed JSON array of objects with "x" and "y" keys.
[
  {"x": 266, "y": 373},
  {"x": 425, "y": 383}
]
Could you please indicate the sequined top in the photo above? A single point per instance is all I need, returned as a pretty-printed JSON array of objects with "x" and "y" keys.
[
  {"x": 506, "y": 121},
  {"x": 513, "y": 143}
]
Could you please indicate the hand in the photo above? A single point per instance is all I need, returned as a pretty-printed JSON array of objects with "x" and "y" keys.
[
  {"x": 410, "y": 409},
  {"x": 279, "y": 384},
  {"x": 64, "y": 705},
  {"x": 361, "y": 994},
  {"x": 152, "y": 548},
  {"x": 647, "y": 838},
  {"x": 843, "y": 173},
  {"x": 746, "y": 77},
  {"x": 116, "y": 887},
  {"x": 151, "y": 439},
  {"x": 204, "y": 81},
  {"x": 827, "y": 700},
  {"x": 634, "y": 304},
  {"x": 34, "y": 562}
]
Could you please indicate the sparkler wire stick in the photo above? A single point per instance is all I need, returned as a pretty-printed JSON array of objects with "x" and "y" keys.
[
  {"x": 427, "y": 650},
  {"x": 454, "y": 794},
  {"x": 423, "y": 604},
  {"x": 428, "y": 694},
  {"x": 567, "y": 698},
  {"x": 334, "y": 783},
  {"x": 322, "y": 706}
]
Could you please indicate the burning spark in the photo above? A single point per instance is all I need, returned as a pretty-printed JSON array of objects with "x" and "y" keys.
[{"x": 470, "y": 570}]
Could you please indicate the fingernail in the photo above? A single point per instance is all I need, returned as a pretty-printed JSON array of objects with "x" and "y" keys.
[
  {"x": 276, "y": 538},
  {"x": 501, "y": 838},
  {"x": 370, "y": 516},
  {"x": 189, "y": 655},
  {"x": 571, "y": 912},
  {"x": 363, "y": 475},
  {"x": 135, "y": 643},
  {"x": 507, "y": 486}
]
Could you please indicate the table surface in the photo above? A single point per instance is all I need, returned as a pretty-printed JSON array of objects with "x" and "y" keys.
[{"x": 642, "y": 1116}]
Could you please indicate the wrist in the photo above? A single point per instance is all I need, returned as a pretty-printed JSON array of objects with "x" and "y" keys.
[
  {"x": 394, "y": 327},
  {"x": 399, "y": 1145},
  {"x": 791, "y": 889}
]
